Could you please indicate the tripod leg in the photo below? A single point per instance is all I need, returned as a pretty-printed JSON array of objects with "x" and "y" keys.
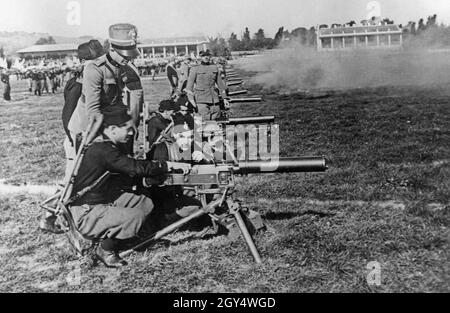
[{"x": 235, "y": 210}]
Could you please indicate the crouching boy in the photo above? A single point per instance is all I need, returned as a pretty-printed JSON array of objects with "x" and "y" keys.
[{"x": 113, "y": 211}]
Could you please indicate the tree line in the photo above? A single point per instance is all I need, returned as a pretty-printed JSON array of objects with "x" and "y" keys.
[{"x": 427, "y": 33}]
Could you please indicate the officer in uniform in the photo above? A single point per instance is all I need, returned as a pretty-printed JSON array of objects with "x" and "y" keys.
[
  {"x": 113, "y": 211},
  {"x": 102, "y": 84},
  {"x": 201, "y": 88},
  {"x": 7, "y": 86}
]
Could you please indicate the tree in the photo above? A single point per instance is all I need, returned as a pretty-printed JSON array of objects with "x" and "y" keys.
[
  {"x": 279, "y": 35},
  {"x": 218, "y": 46},
  {"x": 300, "y": 34},
  {"x": 246, "y": 41},
  {"x": 234, "y": 43},
  {"x": 45, "y": 41},
  {"x": 259, "y": 39},
  {"x": 246, "y": 35}
]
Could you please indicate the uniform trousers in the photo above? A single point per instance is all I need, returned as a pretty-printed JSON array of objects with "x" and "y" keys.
[
  {"x": 121, "y": 219},
  {"x": 208, "y": 111}
]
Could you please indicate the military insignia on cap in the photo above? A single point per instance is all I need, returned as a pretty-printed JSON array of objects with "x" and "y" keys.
[
  {"x": 132, "y": 33},
  {"x": 186, "y": 126}
]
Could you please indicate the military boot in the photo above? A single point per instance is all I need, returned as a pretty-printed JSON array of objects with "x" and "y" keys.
[{"x": 109, "y": 258}]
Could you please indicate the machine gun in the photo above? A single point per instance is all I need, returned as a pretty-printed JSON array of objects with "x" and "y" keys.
[
  {"x": 237, "y": 92},
  {"x": 219, "y": 180},
  {"x": 248, "y": 99},
  {"x": 244, "y": 120},
  {"x": 234, "y": 82}
]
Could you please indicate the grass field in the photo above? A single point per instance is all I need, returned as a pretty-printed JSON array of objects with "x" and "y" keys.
[{"x": 385, "y": 198}]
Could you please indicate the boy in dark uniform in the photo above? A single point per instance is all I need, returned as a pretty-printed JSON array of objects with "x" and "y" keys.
[{"x": 112, "y": 211}]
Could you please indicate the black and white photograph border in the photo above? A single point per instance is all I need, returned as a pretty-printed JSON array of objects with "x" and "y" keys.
[{"x": 239, "y": 147}]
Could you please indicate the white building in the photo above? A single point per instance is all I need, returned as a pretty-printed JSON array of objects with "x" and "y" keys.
[{"x": 366, "y": 37}]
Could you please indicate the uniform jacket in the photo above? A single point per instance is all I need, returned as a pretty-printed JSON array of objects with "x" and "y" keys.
[
  {"x": 103, "y": 155},
  {"x": 156, "y": 125},
  {"x": 101, "y": 87},
  {"x": 201, "y": 84},
  {"x": 133, "y": 94}
]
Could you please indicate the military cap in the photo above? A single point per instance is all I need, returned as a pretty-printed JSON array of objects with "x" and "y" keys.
[
  {"x": 90, "y": 50},
  {"x": 116, "y": 114},
  {"x": 183, "y": 123},
  {"x": 168, "y": 105},
  {"x": 123, "y": 39}
]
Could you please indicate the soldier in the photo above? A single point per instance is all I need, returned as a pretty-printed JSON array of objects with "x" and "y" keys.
[
  {"x": 72, "y": 91},
  {"x": 36, "y": 78},
  {"x": 161, "y": 120},
  {"x": 51, "y": 80},
  {"x": 201, "y": 85},
  {"x": 44, "y": 83},
  {"x": 7, "y": 86},
  {"x": 112, "y": 211},
  {"x": 102, "y": 84},
  {"x": 175, "y": 201}
]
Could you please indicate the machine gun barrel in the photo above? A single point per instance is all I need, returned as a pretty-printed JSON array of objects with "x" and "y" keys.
[
  {"x": 247, "y": 120},
  {"x": 237, "y": 92},
  {"x": 283, "y": 165},
  {"x": 234, "y": 82},
  {"x": 252, "y": 99},
  {"x": 222, "y": 174}
]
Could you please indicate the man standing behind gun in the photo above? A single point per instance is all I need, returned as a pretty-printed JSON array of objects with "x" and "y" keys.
[
  {"x": 102, "y": 84},
  {"x": 87, "y": 52},
  {"x": 201, "y": 86},
  {"x": 112, "y": 211}
]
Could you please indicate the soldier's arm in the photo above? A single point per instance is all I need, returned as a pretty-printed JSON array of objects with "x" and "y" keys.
[
  {"x": 190, "y": 85},
  {"x": 221, "y": 85},
  {"x": 155, "y": 127},
  {"x": 92, "y": 87},
  {"x": 118, "y": 162},
  {"x": 136, "y": 105}
]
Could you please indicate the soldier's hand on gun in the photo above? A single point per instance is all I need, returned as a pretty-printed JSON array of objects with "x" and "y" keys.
[
  {"x": 226, "y": 104},
  {"x": 186, "y": 168},
  {"x": 197, "y": 156}
]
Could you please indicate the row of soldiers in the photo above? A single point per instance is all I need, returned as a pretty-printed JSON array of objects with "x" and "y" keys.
[
  {"x": 112, "y": 196},
  {"x": 44, "y": 80}
]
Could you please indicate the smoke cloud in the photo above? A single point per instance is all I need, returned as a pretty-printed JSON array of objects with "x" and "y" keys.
[{"x": 297, "y": 68}]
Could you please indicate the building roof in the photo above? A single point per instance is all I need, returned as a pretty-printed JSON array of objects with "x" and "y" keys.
[
  {"x": 171, "y": 42},
  {"x": 359, "y": 30},
  {"x": 148, "y": 43},
  {"x": 50, "y": 48}
]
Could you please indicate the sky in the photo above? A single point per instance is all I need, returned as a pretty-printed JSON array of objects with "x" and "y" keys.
[{"x": 171, "y": 18}]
